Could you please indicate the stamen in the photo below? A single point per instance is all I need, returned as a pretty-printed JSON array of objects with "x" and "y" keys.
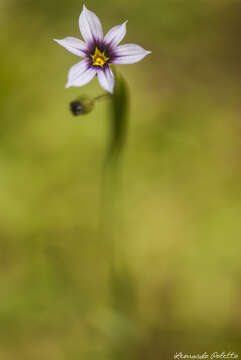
[{"x": 99, "y": 58}]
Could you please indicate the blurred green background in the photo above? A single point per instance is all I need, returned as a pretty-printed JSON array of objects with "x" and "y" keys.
[{"x": 155, "y": 268}]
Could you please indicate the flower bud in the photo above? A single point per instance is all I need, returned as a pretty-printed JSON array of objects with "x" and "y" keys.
[{"x": 82, "y": 105}]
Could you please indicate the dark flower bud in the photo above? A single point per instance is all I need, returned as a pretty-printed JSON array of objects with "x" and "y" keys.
[
  {"x": 76, "y": 108},
  {"x": 82, "y": 105}
]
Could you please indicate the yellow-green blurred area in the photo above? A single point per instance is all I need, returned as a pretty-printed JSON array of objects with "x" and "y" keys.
[{"x": 153, "y": 268}]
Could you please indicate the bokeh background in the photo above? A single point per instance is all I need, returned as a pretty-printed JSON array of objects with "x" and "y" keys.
[{"x": 152, "y": 268}]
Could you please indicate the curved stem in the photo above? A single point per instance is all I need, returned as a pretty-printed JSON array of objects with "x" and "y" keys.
[{"x": 100, "y": 96}]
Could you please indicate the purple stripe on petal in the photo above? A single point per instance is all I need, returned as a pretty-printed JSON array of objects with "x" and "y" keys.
[
  {"x": 106, "y": 79},
  {"x": 90, "y": 26},
  {"x": 116, "y": 34},
  {"x": 75, "y": 46},
  {"x": 129, "y": 54},
  {"x": 80, "y": 74}
]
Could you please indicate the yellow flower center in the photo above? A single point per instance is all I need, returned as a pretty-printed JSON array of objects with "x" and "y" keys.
[{"x": 99, "y": 58}]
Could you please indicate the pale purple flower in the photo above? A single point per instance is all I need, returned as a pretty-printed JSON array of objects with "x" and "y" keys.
[{"x": 99, "y": 52}]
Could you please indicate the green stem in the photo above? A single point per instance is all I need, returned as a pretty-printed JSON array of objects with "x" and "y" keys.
[{"x": 100, "y": 96}]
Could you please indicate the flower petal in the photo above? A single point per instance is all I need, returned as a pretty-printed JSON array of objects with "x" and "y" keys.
[
  {"x": 80, "y": 74},
  {"x": 90, "y": 26},
  {"x": 106, "y": 79},
  {"x": 129, "y": 54},
  {"x": 116, "y": 34},
  {"x": 75, "y": 46}
]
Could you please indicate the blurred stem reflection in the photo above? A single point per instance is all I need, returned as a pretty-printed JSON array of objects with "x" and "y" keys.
[{"x": 122, "y": 286}]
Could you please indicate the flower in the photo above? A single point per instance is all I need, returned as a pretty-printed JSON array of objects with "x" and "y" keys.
[{"x": 99, "y": 52}]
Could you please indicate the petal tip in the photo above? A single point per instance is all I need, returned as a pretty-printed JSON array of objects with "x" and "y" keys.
[
  {"x": 124, "y": 24},
  {"x": 90, "y": 25},
  {"x": 111, "y": 88},
  {"x": 85, "y": 9}
]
